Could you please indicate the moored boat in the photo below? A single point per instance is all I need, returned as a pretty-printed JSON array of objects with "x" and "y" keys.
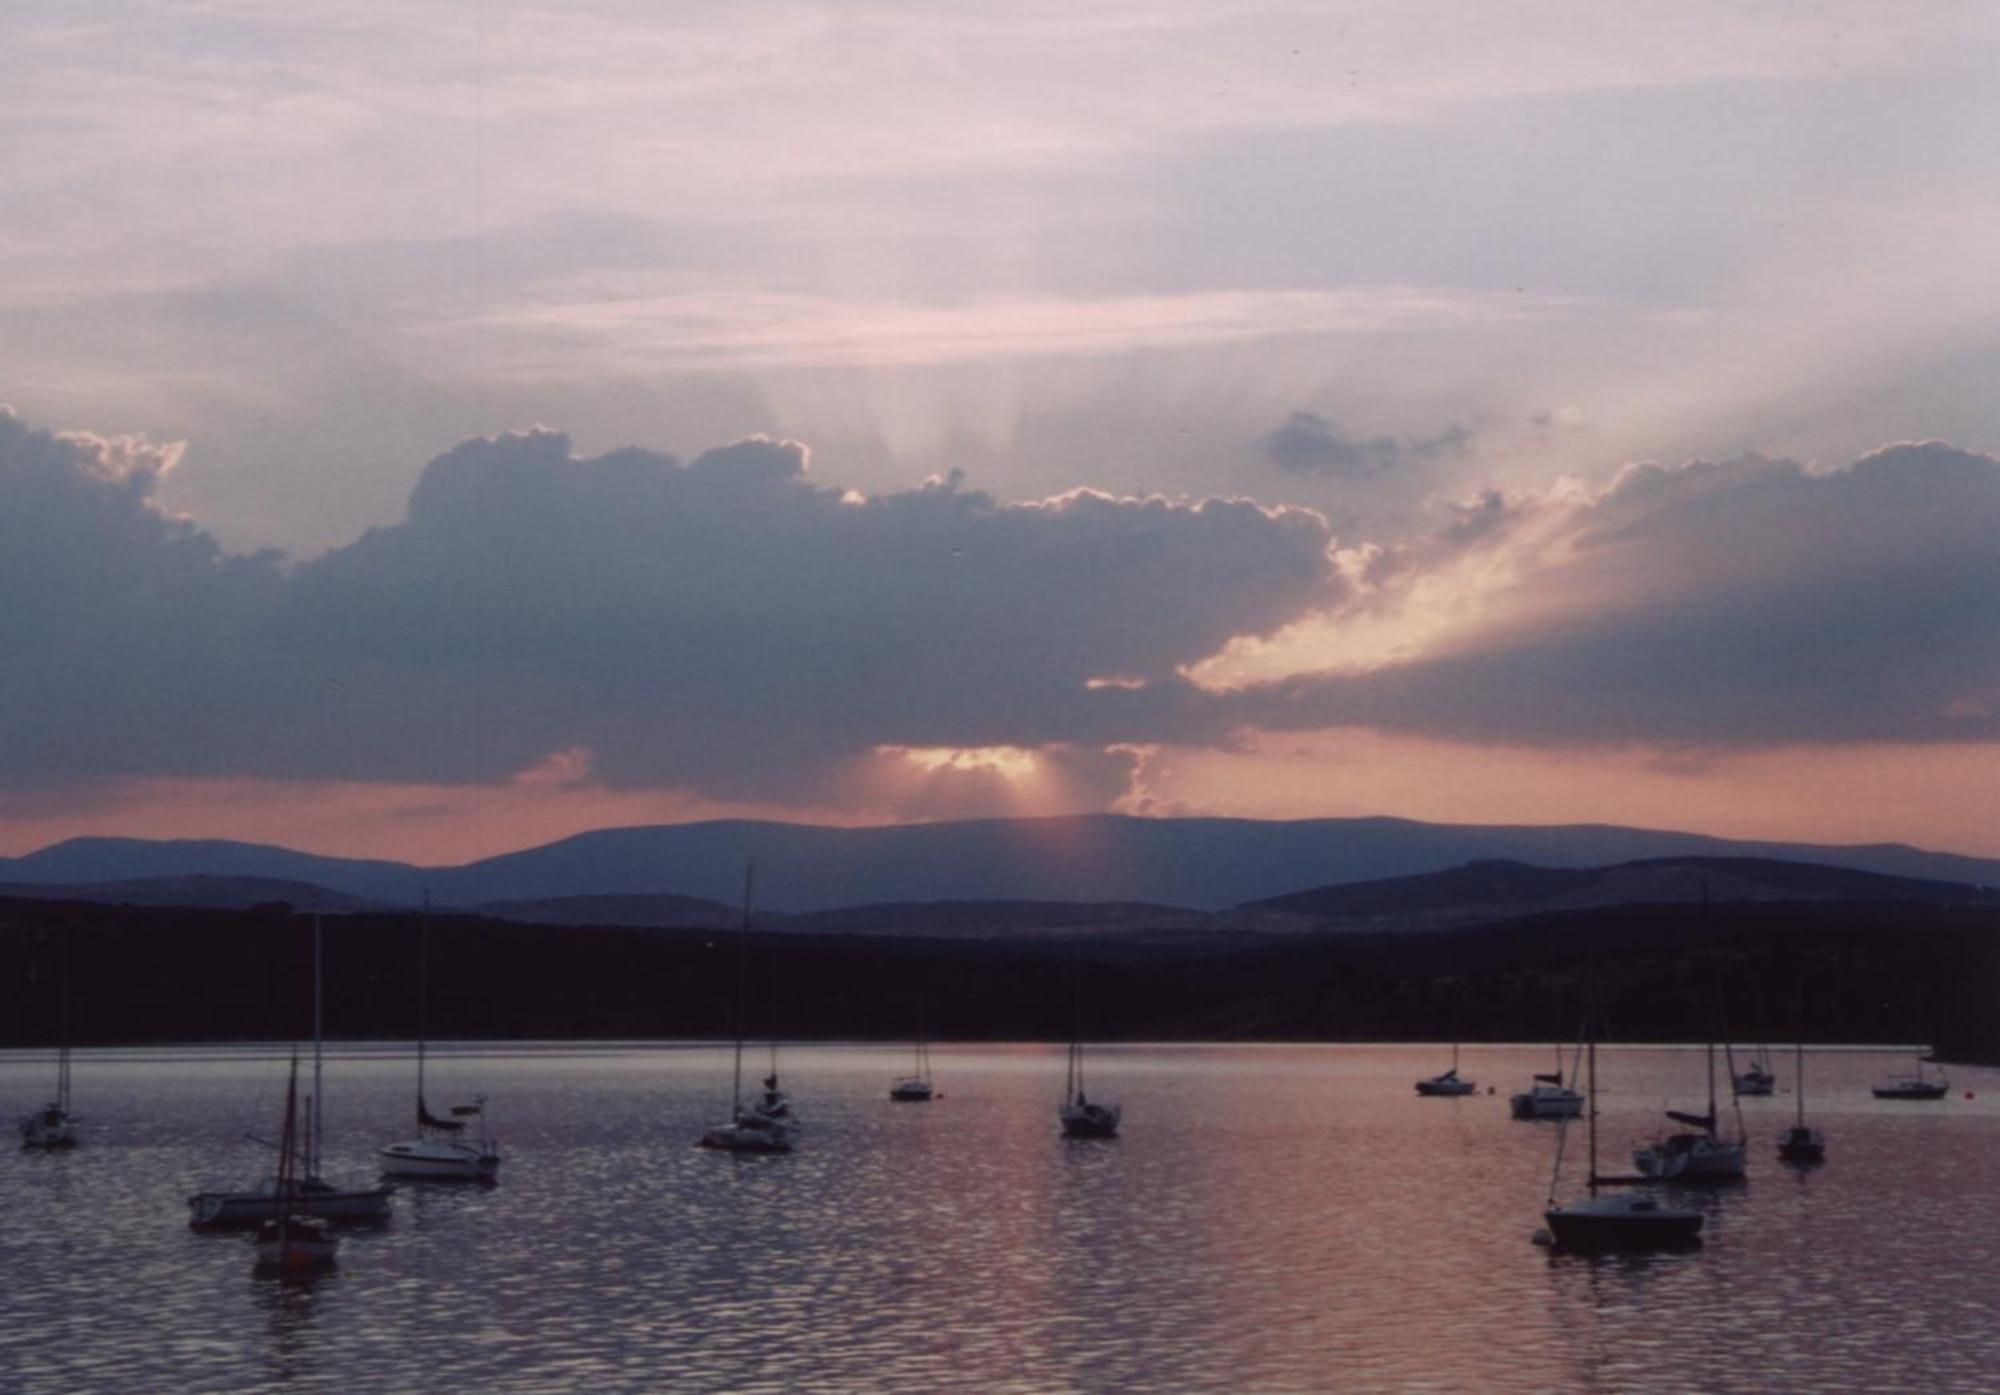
[
  {"x": 441, "y": 1151},
  {"x": 309, "y": 1193},
  {"x": 762, "y": 1127}
]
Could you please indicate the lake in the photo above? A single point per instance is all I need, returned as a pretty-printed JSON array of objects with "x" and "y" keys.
[{"x": 1274, "y": 1218}]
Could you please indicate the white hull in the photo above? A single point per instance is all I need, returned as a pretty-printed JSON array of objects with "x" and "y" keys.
[
  {"x": 1545, "y": 1103},
  {"x": 441, "y": 1161},
  {"x": 1691, "y": 1158}
]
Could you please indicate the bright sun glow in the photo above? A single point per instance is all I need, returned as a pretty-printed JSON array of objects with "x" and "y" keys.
[{"x": 1010, "y": 761}]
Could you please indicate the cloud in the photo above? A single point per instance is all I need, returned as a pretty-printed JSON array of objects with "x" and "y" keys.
[
  {"x": 1729, "y": 604},
  {"x": 726, "y": 626},
  {"x": 730, "y": 628},
  {"x": 1310, "y": 444}
]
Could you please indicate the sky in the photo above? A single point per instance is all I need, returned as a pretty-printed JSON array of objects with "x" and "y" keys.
[{"x": 433, "y": 430}]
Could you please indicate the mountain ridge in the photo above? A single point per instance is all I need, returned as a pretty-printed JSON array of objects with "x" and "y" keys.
[{"x": 1201, "y": 864}]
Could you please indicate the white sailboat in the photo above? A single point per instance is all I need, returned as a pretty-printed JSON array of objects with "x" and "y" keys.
[
  {"x": 1700, "y": 1153},
  {"x": 53, "y": 1126},
  {"x": 1607, "y": 1220},
  {"x": 1548, "y": 1097},
  {"x": 1082, "y": 1117},
  {"x": 311, "y": 1194},
  {"x": 750, "y": 1129},
  {"x": 440, "y": 1151}
]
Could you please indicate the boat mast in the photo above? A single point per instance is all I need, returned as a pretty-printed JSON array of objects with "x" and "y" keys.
[
  {"x": 1799, "y": 1069},
  {"x": 62, "y": 1053},
  {"x": 742, "y": 972},
  {"x": 315, "y": 1121},
  {"x": 1591, "y": 1053},
  {"x": 1076, "y": 1020},
  {"x": 423, "y": 1001}
]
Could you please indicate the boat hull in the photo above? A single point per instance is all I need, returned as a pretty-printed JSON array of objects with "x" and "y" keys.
[
  {"x": 1912, "y": 1091},
  {"x": 1446, "y": 1088},
  {"x": 1801, "y": 1145},
  {"x": 911, "y": 1092},
  {"x": 48, "y": 1129},
  {"x": 1547, "y": 1105},
  {"x": 1691, "y": 1158},
  {"x": 441, "y": 1162},
  {"x": 751, "y": 1133},
  {"x": 1622, "y": 1224},
  {"x": 1089, "y": 1120},
  {"x": 226, "y": 1210},
  {"x": 300, "y": 1247}
]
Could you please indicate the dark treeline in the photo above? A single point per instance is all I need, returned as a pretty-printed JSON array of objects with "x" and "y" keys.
[{"x": 1748, "y": 972}]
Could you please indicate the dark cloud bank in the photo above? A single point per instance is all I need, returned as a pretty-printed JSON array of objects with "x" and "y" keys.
[{"x": 729, "y": 626}]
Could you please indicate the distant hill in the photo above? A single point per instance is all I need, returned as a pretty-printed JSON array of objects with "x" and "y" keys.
[
  {"x": 1205, "y": 864},
  {"x": 197, "y": 890},
  {"x": 1492, "y": 890}
]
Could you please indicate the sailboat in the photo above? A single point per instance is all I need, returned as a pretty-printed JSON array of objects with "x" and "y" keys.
[
  {"x": 1700, "y": 1154},
  {"x": 1081, "y": 1116},
  {"x": 915, "y": 1088},
  {"x": 749, "y": 1130},
  {"x": 1799, "y": 1144},
  {"x": 292, "y": 1242},
  {"x": 53, "y": 1126},
  {"x": 1548, "y": 1097},
  {"x": 1449, "y": 1083},
  {"x": 1613, "y": 1220},
  {"x": 311, "y": 1194},
  {"x": 440, "y": 1150},
  {"x": 1756, "y": 1079},
  {"x": 1915, "y": 1086}
]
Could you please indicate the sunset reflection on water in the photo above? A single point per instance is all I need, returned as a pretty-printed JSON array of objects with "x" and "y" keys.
[{"x": 1274, "y": 1218}]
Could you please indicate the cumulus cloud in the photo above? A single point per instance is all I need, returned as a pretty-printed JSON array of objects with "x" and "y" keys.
[
  {"x": 1741, "y": 603},
  {"x": 726, "y": 625},
  {"x": 734, "y": 628},
  {"x": 1310, "y": 444}
]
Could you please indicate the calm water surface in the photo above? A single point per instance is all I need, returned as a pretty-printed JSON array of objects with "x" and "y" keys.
[{"x": 1275, "y": 1218}]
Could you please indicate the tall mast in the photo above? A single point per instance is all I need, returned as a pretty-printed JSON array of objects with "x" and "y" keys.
[
  {"x": 423, "y": 999},
  {"x": 315, "y": 1121},
  {"x": 742, "y": 973},
  {"x": 1711, "y": 1087},
  {"x": 1799, "y": 1069},
  {"x": 62, "y": 1055},
  {"x": 1592, "y": 1107}
]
